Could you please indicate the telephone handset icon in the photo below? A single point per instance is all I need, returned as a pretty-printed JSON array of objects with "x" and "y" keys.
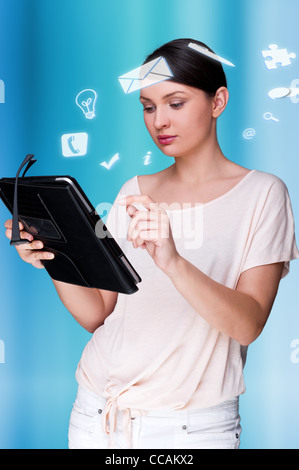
[{"x": 72, "y": 144}]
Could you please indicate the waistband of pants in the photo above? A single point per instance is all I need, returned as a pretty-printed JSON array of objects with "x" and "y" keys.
[
  {"x": 228, "y": 410},
  {"x": 93, "y": 400}
]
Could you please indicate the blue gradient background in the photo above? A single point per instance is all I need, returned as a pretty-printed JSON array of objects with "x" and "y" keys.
[{"x": 49, "y": 52}]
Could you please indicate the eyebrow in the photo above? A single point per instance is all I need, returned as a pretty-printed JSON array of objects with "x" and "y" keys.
[{"x": 166, "y": 96}]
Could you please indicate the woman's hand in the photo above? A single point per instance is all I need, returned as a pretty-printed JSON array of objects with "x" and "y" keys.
[
  {"x": 29, "y": 252},
  {"x": 151, "y": 230}
]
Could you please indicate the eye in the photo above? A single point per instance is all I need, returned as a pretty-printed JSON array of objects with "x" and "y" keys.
[
  {"x": 149, "y": 109},
  {"x": 177, "y": 105}
]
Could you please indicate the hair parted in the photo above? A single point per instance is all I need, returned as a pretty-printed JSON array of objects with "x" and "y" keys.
[{"x": 190, "y": 67}]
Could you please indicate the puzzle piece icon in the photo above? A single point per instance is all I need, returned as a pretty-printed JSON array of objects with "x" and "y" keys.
[{"x": 277, "y": 56}]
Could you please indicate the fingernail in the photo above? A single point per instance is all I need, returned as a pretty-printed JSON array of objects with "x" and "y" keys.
[{"x": 50, "y": 255}]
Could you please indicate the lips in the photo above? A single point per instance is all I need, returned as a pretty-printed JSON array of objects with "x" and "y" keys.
[{"x": 166, "y": 139}]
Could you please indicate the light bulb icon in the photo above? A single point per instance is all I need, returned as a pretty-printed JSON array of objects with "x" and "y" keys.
[{"x": 86, "y": 100}]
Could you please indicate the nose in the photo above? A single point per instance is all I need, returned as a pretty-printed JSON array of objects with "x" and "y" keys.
[{"x": 161, "y": 118}]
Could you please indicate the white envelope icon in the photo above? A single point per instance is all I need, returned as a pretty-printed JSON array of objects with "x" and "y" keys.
[{"x": 152, "y": 72}]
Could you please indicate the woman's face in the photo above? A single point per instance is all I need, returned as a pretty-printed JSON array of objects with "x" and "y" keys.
[{"x": 179, "y": 118}]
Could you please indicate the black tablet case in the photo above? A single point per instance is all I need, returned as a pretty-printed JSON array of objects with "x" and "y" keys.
[{"x": 55, "y": 210}]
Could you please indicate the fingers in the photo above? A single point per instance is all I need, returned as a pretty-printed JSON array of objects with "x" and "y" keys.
[
  {"x": 29, "y": 252},
  {"x": 142, "y": 220},
  {"x": 34, "y": 248},
  {"x": 23, "y": 233},
  {"x": 8, "y": 224},
  {"x": 143, "y": 199},
  {"x": 147, "y": 236},
  {"x": 131, "y": 210},
  {"x": 35, "y": 256},
  {"x": 149, "y": 225}
]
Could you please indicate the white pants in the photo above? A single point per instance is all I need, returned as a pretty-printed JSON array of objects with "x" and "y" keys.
[{"x": 217, "y": 427}]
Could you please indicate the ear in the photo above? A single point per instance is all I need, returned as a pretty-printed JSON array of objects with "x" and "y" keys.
[{"x": 220, "y": 101}]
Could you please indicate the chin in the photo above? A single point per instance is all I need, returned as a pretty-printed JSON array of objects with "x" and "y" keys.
[{"x": 169, "y": 152}]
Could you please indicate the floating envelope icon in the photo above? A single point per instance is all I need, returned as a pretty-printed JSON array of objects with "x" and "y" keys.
[{"x": 152, "y": 72}]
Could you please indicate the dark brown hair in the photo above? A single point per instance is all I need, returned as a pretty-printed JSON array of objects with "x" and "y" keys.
[{"x": 190, "y": 67}]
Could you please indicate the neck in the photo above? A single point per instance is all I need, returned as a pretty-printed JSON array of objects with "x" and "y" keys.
[{"x": 200, "y": 166}]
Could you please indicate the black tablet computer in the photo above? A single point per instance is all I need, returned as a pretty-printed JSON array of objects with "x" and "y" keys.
[{"x": 55, "y": 210}]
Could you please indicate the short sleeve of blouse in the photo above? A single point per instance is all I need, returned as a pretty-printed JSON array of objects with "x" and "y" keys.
[{"x": 273, "y": 239}]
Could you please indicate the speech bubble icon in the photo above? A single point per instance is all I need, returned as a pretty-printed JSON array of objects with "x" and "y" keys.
[{"x": 280, "y": 92}]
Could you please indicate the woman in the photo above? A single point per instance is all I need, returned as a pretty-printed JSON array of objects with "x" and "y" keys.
[{"x": 164, "y": 367}]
